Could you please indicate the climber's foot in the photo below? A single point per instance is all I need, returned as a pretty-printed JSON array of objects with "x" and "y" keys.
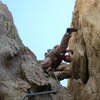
[{"x": 70, "y": 30}]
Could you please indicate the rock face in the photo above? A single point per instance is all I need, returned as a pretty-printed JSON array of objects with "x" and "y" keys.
[
  {"x": 85, "y": 81},
  {"x": 20, "y": 72}
]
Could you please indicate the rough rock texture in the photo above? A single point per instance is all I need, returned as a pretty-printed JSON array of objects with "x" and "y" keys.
[
  {"x": 85, "y": 81},
  {"x": 19, "y": 68},
  {"x": 20, "y": 71}
]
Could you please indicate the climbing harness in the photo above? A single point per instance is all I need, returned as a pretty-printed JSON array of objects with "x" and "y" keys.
[{"x": 39, "y": 93}]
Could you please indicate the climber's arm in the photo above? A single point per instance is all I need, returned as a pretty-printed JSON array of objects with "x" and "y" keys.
[{"x": 63, "y": 45}]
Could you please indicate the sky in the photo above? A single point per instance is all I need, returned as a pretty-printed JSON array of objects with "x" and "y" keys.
[{"x": 41, "y": 23}]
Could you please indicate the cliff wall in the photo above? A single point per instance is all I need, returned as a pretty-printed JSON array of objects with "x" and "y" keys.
[
  {"x": 85, "y": 81},
  {"x": 20, "y": 72}
]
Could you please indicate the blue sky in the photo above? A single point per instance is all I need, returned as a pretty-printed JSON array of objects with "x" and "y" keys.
[{"x": 41, "y": 23}]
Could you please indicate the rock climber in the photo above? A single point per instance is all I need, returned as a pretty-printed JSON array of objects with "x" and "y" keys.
[{"x": 55, "y": 56}]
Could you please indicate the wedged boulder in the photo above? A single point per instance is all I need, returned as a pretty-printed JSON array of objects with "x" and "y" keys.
[{"x": 64, "y": 71}]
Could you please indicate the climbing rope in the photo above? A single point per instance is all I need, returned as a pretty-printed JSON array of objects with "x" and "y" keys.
[{"x": 35, "y": 94}]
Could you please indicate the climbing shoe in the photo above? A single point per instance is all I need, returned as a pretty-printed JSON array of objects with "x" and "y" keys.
[{"x": 70, "y": 30}]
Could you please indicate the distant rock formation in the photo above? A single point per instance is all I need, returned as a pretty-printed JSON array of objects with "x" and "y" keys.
[
  {"x": 20, "y": 71},
  {"x": 85, "y": 81}
]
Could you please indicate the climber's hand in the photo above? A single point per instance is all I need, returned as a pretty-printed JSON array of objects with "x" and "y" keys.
[{"x": 67, "y": 58}]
